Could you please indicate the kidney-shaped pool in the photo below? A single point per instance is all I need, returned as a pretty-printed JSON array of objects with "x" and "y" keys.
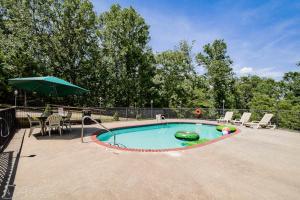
[{"x": 157, "y": 136}]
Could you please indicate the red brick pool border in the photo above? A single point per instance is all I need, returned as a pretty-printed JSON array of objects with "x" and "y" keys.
[{"x": 94, "y": 139}]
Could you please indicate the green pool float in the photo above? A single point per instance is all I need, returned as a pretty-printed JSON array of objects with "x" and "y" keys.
[
  {"x": 186, "y": 135},
  {"x": 231, "y": 128}
]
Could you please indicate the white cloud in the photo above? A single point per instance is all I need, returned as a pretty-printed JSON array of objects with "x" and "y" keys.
[
  {"x": 267, "y": 72},
  {"x": 246, "y": 70}
]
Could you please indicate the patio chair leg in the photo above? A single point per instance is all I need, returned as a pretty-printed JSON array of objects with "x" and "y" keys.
[
  {"x": 30, "y": 131},
  {"x": 70, "y": 129},
  {"x": 273, "y": 127}
]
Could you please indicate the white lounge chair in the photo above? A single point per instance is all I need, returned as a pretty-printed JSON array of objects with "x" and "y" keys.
[
  {"x": 265, "y": 122},
  {"x": 244, "y": 119},
  {"x": 227, "y": 118}
]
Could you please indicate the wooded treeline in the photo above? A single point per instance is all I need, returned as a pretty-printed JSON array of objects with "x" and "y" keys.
[{"x": 109, "y": 54}]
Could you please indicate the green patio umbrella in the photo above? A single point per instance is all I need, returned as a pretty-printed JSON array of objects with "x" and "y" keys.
[{"x": 47, "y": 85}]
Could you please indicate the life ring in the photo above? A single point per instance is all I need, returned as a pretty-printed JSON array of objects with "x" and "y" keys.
[
  {"x": 230, "y": 128},
  {"x": 186, "y": 135},
  {"x": 198, "y": 111}
]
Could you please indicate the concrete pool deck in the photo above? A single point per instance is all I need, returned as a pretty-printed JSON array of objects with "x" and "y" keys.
[{"x": 255, "y": 164}]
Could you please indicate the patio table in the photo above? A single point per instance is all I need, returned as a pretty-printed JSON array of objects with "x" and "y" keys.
[
  {"x": 43, "y": 123},
  {"x": 63, "y": 120}
]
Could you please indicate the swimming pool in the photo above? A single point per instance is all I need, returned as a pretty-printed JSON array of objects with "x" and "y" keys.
[{"x": 156, "y": 136}]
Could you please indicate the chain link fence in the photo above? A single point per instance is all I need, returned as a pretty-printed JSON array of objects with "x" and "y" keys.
[
  {"x": 8, "y": 126},
  {"x": 282, "y": 118}
]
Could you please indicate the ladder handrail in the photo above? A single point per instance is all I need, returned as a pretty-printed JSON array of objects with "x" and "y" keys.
[
  {"x": 89, "y": 117},
  {"x": 7, "y": 126}
]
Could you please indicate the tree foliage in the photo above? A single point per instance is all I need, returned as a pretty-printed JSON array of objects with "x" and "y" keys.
[
  {"x": 109, "y": 54},
  {"x": 175, "y": 75},
  {"x": 218, "y": 72},
  {"x": 128, "y": 59}
]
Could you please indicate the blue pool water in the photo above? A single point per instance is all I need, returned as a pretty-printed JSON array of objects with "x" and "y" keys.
[{"x": 159, "y": 136}]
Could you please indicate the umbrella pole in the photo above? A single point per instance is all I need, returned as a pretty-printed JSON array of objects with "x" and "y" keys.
[{"x": 25, "y": 99}]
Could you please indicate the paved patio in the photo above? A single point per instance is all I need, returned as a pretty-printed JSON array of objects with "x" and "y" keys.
[{"x": 255, "y": 164}]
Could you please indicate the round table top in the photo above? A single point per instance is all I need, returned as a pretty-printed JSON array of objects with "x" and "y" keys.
[
  {"x": 45, "y": 117},
  {"x": 42, "y": 117}
]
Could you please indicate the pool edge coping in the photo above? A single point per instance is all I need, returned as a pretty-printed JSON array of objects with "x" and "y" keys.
[{"x": 96, "y": 133}]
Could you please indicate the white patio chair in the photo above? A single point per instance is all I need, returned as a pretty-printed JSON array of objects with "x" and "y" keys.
[
  {"x": 160, "y": 117},
  {"x": 227, "y": 118},
  {"x": 53, "y": 122},
  {"x": 61, "y": 111},
  {"x": 244, "y": 119},
  {"x": 34, "y": 123},
  {"x": 265, "y": 122}
]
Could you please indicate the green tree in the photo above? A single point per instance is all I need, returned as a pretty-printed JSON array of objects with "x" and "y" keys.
[
  {"x": 291, "y": 85},
  {"x": 288, "y": 114},
  {"x": 260, "y": 104},
  {"x": 246, "y": 86},
  {"x": 218, "y": 72},
  {"x": 73, "y": 49},
  {"x": 175, "y": 75},
  {"x": 73, "y": 40},
  {"x": 269, "y": 87},
  {"x": 17, "y": 40},
  {"x": 50, "y": 38},
  {"x": 199, "y": 96},
  {"x": 18, "y": 44},
  {"x": 289, "y": 105},
  {"x": 124, "y": 38},
  {"x": 5, "y": 90}
]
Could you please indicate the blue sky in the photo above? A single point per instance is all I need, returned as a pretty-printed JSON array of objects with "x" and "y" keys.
[{"x": 263, "y": 37}]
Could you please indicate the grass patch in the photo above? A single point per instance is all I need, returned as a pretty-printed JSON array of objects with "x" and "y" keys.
[{"x": 191, "y": 143}]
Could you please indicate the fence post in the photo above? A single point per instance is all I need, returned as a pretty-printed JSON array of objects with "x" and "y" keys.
[
  {"x": 180, "y": 112},
  {"x": 277, "y": 119},
  {"x": 223, "y": 106},
  {"x": 277, "y": 111}
]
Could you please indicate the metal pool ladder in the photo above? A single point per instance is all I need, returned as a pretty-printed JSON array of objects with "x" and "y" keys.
[{"x": 89, "y": 117}]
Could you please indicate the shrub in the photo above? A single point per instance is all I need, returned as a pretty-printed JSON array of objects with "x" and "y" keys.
[
  {"x": 47, "y": 111},
  {"x": 138, "y": 116},
  {"x": 116, "y": 116}
]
